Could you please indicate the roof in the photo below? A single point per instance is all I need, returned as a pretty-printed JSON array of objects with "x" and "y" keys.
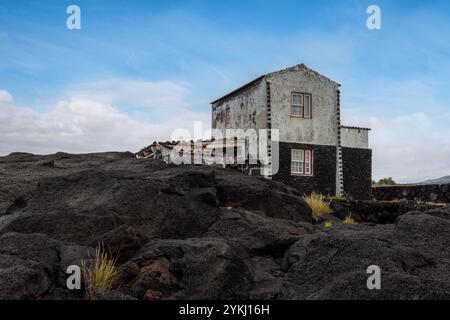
[
  {"x": 357, "y": 128},
  {"x": 258, "y": 79},
  {"x": 240, "y": 89}
]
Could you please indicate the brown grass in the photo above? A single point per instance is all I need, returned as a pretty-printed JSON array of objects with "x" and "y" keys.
[
  {"x": 317, "y": 204},
  {"x": 349, "y": 220},
  {"x": 99, "y": 274}
]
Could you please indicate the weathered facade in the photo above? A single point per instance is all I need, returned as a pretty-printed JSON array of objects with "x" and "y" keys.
[{"x": 315, "y": 152}]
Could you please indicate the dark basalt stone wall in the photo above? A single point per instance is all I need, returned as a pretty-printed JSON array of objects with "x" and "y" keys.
[
  {"x": 434, "y": 192},
  {"x": 380, "y": 212},
  {"x": 324, "y": 174},
  {"x": 357, "y": 169}
]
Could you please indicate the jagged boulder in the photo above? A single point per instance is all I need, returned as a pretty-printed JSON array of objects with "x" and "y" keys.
[
  {"x": 28, "y": 265},
  {"x": 412, "y": 256},
  {"x": 186, "y": 269}
]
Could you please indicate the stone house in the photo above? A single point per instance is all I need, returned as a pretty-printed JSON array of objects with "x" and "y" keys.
[{"x": 315, "y": 151}]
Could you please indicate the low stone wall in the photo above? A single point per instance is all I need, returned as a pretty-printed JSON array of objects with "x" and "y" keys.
[
  {"x": 435, "y": 192},
  {"x": 380, "y": 212}
]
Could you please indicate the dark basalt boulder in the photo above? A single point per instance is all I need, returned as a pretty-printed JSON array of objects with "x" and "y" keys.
[
  {"x": 28, "y": 265},
  {"x": 412, "y": 256},
  {"x": 121, "y": 242},
  {"x": 258, "y": 234},
  {"x": 187, "y": 269},
  {"x": 259, "y": 194}
]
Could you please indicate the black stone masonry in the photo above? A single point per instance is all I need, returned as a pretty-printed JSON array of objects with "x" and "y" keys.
[
  {"x": 323, "y": 179},
  {"x": 357, "y": 170},
  {"x": 357, "y": 165}
]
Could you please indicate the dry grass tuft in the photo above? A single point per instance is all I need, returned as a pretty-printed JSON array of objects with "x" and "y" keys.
[
  {"x": 317, "y": 204},
  {"x": 99, "y": 274},
  {"x": 349, "y": 220}
]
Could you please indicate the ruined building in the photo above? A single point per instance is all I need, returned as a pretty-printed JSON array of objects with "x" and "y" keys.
[
  {"x": 310, "y": 150},
  {"x": 316, "y": 152}
]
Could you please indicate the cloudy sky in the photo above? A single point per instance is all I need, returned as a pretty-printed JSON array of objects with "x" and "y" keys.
[{"x": 137, "y": 70}]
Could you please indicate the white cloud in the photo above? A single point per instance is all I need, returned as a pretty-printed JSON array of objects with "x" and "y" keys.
[
  {"x": 161, "y": 95},
  {"x": 409, "y": 148},
  {"x": 90, "y": 122}
]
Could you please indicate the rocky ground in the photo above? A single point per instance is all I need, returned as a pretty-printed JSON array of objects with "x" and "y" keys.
[{"x": 194, "y": 232}]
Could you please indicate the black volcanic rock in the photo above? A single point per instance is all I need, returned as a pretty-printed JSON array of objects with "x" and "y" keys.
[
  {"x": 28, "y": 265},
  {"x": 187, "y": 269},
  {"x": 413, "y": 256},
  {"x": 199, "y": 232},
  {"x": 79, "y": 200}
]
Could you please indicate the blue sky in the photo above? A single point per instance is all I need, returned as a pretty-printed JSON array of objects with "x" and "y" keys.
[{"x": 138, "y": 69}]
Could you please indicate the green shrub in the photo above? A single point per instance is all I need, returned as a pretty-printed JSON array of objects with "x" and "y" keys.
[
  {"x": 386, "y": 181},
  {"x": 328, "y": 224},
  {"x": 338, "y": 198}
]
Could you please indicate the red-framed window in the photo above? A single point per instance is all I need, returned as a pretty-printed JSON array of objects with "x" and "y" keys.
[
  {"x": 302, "y": 162},
  {"x": 301, "y": 105}
]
